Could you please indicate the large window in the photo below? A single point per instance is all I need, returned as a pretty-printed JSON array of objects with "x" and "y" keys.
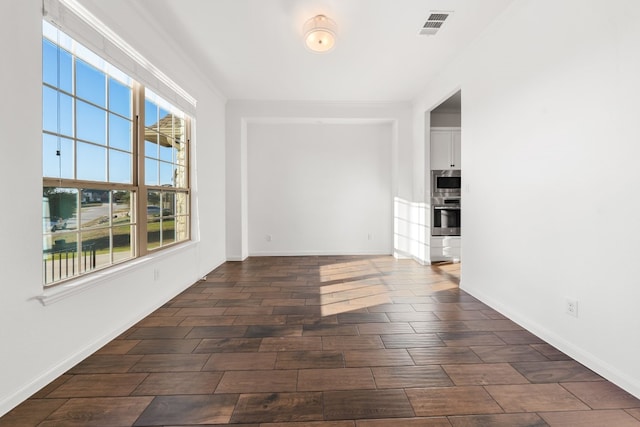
[{"x": 115, "y": 164}]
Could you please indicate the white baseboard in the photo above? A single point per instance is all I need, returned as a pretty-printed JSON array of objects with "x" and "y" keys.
[
  {"x": 212, "y": 266},
  {"x": 55, "y": 371},
  {"x": 601, "y": 367},
  {"x": 321, "y": 253}
]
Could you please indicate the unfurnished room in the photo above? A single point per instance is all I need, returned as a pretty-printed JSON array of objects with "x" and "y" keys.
[{"x": 320, "y": 213}]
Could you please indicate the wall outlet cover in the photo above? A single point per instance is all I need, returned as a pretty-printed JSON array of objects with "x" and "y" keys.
[{"x": 571, "y": 307}]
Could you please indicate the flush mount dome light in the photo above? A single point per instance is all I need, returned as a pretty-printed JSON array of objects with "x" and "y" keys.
[{"x": 320, "y": 34}]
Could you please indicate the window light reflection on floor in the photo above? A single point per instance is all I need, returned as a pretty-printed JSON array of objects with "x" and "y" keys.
[{"x": 352, "y": 286}]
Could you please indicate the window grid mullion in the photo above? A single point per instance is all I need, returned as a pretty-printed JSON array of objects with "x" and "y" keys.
[
  {"x": 138, "y": 191},
  {"x": 141, "y": 208}
]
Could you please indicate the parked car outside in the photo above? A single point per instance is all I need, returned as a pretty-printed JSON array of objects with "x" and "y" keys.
[
  {"x": 58, "y": 223},
  {"x": 153, "y": 211}
]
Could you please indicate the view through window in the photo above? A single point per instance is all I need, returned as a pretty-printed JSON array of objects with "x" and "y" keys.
[{"x": 115, "y": 163}]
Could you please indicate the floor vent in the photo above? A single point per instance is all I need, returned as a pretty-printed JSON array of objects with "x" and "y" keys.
[{"x": 435, "y": 21}]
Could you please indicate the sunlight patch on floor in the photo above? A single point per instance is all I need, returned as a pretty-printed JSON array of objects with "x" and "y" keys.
[
  {"x": 356, "y": 288},
  {"x": 360, "y": 284},
  {"x": 330, "y": 308}
]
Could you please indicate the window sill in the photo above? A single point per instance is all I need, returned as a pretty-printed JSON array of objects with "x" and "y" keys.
[{"x": 62, "y": 291}]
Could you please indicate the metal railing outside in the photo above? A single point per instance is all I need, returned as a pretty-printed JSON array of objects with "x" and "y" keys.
[{"x": 63, "y": 261}]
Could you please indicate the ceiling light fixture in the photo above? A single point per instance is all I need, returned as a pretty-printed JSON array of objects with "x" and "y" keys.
[{"x": 320, "y": 34}]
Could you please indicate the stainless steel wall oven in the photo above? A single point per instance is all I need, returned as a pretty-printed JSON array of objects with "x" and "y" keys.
[{"x": 445, "y": 216}]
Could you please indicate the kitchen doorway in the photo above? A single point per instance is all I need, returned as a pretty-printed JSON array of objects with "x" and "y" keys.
[{"x": 444, "y": 180}]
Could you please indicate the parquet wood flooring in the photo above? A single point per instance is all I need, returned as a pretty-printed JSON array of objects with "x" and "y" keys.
[{"x": 336, "y": 341}]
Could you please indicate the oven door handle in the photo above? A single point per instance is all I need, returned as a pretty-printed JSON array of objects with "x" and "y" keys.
[{"x": 447, "y": 207}]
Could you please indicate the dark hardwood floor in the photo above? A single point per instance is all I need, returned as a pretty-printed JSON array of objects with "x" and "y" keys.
[{"x": 328, "y": 341}]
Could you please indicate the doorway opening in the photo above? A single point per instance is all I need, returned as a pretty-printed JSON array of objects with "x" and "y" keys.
[{"x": 444, "y": 180}]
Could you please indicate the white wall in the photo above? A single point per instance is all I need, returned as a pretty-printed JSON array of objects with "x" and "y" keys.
[
  {"x": 40, "y": 342},
  {"x": 319, "y": 188},
  {"x": 242, "y": 115},
  {"x": 550, "y": 150}
]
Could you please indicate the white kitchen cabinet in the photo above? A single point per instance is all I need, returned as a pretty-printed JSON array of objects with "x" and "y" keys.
[
  {"x": 445, "y": 148},
  {"x": 445, "y": 248}
]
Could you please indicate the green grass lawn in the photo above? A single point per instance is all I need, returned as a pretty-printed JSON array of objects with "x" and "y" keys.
[{"x": 121, "y": 236}]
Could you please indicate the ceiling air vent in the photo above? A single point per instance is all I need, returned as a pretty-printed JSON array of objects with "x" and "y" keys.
[{"x": 435, "y": 21}]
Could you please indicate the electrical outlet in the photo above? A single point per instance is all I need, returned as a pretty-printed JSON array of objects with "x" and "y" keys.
[
  {"x": 267, "y": 237},
  {"x": 156, "y": 274},
  {"x": 571, "y": 307}
]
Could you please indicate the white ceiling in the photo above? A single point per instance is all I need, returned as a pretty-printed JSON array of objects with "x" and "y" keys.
[{"x": 253, "y": 49}]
